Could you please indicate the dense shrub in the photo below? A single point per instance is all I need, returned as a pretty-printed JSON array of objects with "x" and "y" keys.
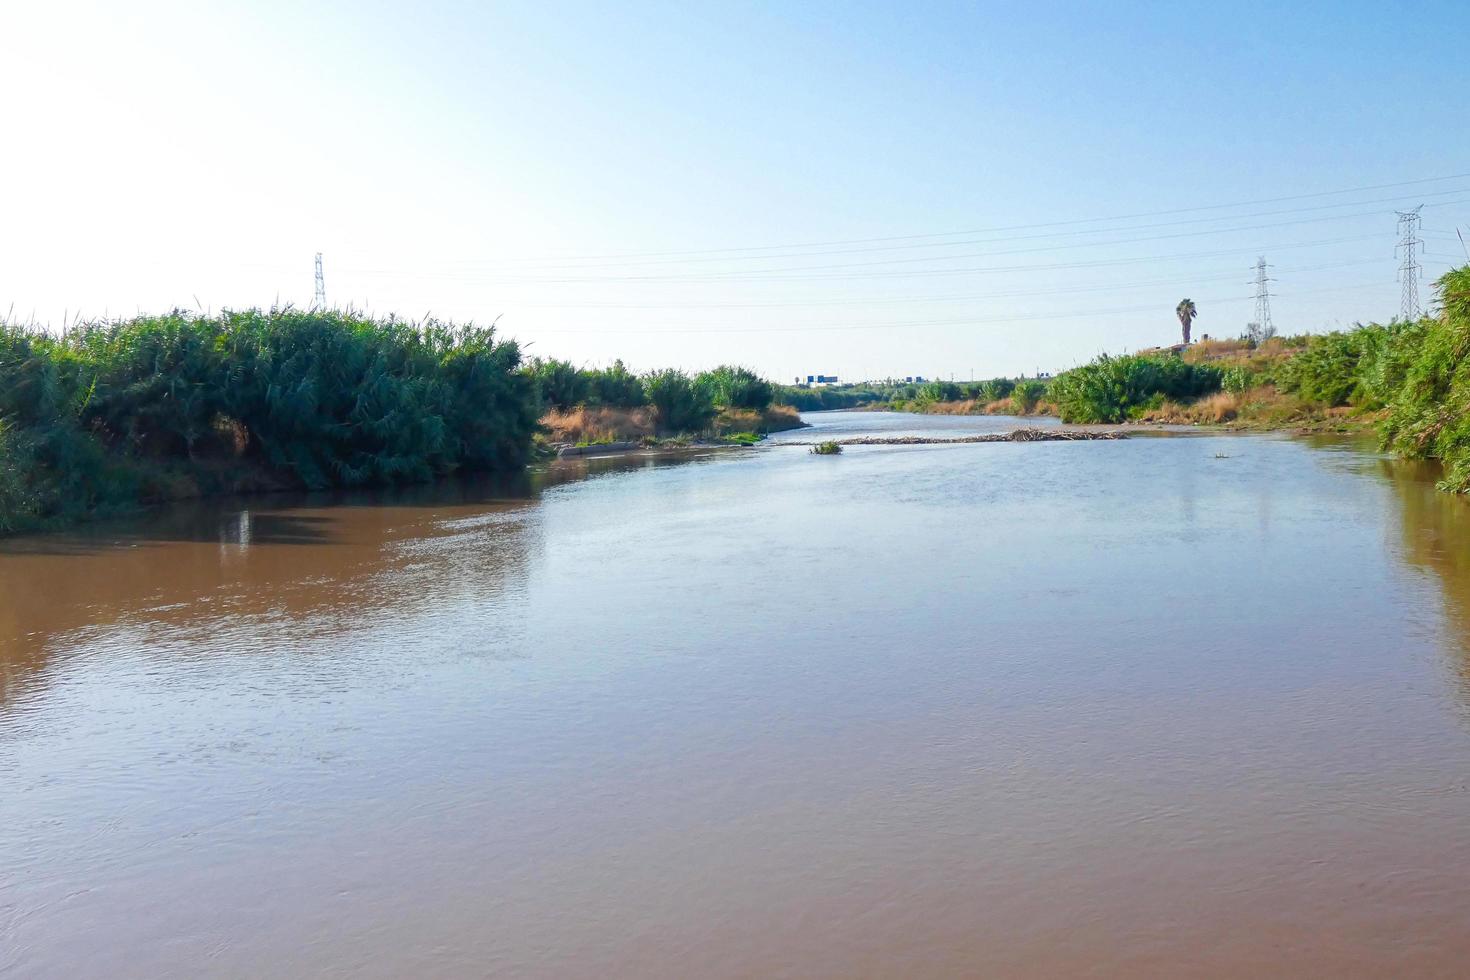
[
  {"x": 993, "y": 390},
  {"x": 1111, "y": 389},
  {"x": 738, "y": 387},
  {"x": 113, "y": 413},
  {"x": 1237, "y": 379},
  {"x": 614, "y": 387},
  {"x": 561, "y": 384},
  {"x": 1387, "y": 356},
  {"x": 831, "y": 398},
  {"x": 50, "y": 466},
  {"x": 1429, "y": 413},
  {"x": 1026, "y": 394},
  {"x": 683, "y": 404},
  {"x": 940, "y": 391},
  {"x": 1326, "y": 373}
]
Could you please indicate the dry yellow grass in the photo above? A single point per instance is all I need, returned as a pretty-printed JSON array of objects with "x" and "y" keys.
[
  {"x": 779, "y": 418},
  {"x": 598, "y": 424},
  {"x": 1213, "y": 350},
  {"x": 1262, "y": 407},
  {"x": 1001, "y": 406},
  {"x": 967, "y": 407},
  {"x": 776, "y": 418},
  {"x": 1223, "y": 406},
  {"x": 593, "y": 425},
  {"x": 1236, "y": 353}
]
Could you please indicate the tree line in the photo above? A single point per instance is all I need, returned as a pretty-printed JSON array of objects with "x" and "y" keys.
[
  {"x": 112, "y": 415},
  {"x": 683, "y": 402}
]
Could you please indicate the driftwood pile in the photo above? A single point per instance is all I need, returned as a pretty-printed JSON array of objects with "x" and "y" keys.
[{"x": 1019, "y": 435}]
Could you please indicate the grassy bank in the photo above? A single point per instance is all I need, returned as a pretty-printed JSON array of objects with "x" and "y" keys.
[
  {"x": 974, "y": 406},
  {"x": 589, "y": 406},
  {"x": 1410, "y": 382},
  {"x": 589, "y": 425}
]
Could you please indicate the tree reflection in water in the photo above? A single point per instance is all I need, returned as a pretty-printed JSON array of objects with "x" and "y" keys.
[{"x": 1434, "y": 535}]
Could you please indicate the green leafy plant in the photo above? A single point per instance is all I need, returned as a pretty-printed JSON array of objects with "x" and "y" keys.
[
  {"x": 1025, "y": 395},
  {"x": 1111, "y": 388},
  {"x": 683, "y": 404}
]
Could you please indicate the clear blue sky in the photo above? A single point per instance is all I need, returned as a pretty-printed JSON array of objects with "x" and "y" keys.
[{"x": 522, "y": 159}]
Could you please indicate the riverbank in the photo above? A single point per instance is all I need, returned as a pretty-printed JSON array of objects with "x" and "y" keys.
[
  {"x": 584, "y": 425},
  {"x": 113, "y": 417}
]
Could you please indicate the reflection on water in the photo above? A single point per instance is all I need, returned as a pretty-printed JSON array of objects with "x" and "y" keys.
[
  {"x": 1159, "y": 707},
  {"x": 1434, "y": 532},
  {"x": 315, "y": 559}
]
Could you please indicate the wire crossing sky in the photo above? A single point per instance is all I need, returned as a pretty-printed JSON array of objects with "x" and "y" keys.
[{"x": 855, "y": 189}]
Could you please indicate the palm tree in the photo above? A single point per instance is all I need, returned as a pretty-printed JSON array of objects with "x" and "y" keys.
[{"x": 1186, "y": 313}]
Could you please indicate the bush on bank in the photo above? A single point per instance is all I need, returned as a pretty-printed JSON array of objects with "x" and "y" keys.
[
  {"x": 682, "y": 403},
  {"x": 1426, "y": 369},
  {"x": 116, "y": 414},
  {"x": 1112, "y": 389}
]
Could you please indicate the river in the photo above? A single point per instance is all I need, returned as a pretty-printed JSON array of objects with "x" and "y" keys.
[{"x": 1171, "y": 706}]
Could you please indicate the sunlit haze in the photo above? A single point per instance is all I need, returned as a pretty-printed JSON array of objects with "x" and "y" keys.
[{"x": 848, "y": 189}]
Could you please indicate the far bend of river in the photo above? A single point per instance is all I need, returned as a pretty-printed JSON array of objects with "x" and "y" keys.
[{"x": 1190, "y": 706}]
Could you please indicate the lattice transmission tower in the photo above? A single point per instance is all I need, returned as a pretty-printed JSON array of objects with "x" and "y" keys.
[
  {"x": 319, "y": 300},
  {"x": 1262, "y": 329},
  {"x": 1409, "y": 241}
]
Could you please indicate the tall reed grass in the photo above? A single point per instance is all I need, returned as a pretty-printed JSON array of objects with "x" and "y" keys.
[{"x": 114, "y": 414}]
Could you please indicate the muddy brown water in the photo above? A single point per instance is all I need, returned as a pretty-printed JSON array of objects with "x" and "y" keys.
[{"x": 1172, "y": 707}]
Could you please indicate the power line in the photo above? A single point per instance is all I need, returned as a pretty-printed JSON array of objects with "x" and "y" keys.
[
  {"x": 797, "y": 275},
  {"x": 572, "y": 263},
  {"x": 1029, "y": 225},
  {"x": 909, "y": 324},
  {"x": 801, "y": 272},
  {"x": 906, "y": 324},
  {"x": 1111, "y": 286},
  {"x": 1409, "y": 240}
]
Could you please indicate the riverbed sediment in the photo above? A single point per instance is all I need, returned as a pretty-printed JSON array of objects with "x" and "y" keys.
[{"x": 1019, "y": 435}]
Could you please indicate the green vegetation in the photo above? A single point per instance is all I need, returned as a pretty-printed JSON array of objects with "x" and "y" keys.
[
  {"x": 832, "y": 399},
  {"x": 115, "y": 415},
  {"x": 946, "y": 397},
  {"x": 1026, "y": 394},
  {"x": 680, "y": 402},
  {"x": 828, "y": 448},
  {"x": 738, "y": 387},
  {"x": 1410, "y": 380},
  {"x": 1112, "y": 389},
  {"x": 111, "y": 416},
  {"x": 1426, "y": 368},
  {"x": 993, "y": 390},
  {"x": 683, "y": 404}
]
